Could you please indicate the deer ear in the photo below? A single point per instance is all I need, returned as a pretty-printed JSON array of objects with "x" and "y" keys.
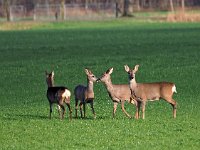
[
  {"x": 52, "y": 73},
  {"x": 136, "y": 68},
  {"x": 87, "y": 71},
  {"x": 110, "y": 70},
  {"x": 126, "y": 67}
]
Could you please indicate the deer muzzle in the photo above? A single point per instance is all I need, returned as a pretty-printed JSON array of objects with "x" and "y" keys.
[{"x": 98, "y": 80}]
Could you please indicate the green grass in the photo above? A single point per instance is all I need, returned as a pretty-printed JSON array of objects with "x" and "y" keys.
[{"x": 165, "y": 52}]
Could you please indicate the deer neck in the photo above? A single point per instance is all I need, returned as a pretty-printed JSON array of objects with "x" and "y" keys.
[
  {"x": 109, "y": 86},
  {"x": 89, "y": 86},
  {"x": 50, "y": 83},
  {"x": 133, "y": 84}
]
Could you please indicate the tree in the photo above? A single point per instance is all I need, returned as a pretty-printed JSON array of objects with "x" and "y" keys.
[
  {"x": 171, "y": 5},
  {"x": 63, "y": 9},
  {"x": 183, "y": 5},
  {"x": 47, "y": 6},
  {"x": 126, "y": 8},
  {"x": 6, "y": 5},
  {"x": 138, "y": 4}
]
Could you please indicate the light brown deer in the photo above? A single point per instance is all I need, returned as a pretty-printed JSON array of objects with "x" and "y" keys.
[
  {"x": 119, "y": 93},
  {"x": 85, "y": 94},
  {"x": 144, "y": 92},
  {"x": 58, "y": 95}
]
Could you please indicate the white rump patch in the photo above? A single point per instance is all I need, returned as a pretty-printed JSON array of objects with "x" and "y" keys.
[
  {"x": 58, "y": 106},
  {"x": 67, "y": 93},
  {"x": 174, "y": 89}
]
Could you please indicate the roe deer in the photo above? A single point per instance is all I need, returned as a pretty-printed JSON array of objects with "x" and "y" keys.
[
  {"x": 58, "y": 95},
  {"x": 144, "y": 92},
  {"x": 85, "y": 94},
  {"x": 119, "y": 93}
]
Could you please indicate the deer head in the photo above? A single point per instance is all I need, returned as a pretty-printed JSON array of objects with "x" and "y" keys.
[
  {"x": 90, "y": 75},
  {"x": 131, "y": 72},
  {"x": 50, "y": 78},
  {"x": 105, "y": 76}
]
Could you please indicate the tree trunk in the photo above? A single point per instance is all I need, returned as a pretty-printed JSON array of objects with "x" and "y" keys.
[
  {"x": 47, "y": 8},
  {"x": 86, "y": 4},
  {"x": 7, "y": 9},
  {"x": 138, "y": 5},
  {"x": 143, "y": 3},
  {"x": 150, "y": 4},
  {"x": 63, "y": 9},
  {"x": 126, "y": 7},
  {"x": 116, "y": 9},
  {"x": 171, "y": 5},
  {"x": 183, "y": 5}
]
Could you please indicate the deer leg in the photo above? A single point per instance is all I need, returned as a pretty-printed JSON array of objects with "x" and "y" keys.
[
  {"x": 135, "y": 102},
  {"x": 59, "y": 109},
  {"x": 143, "y": 109},
  {"x": 139, "y": 106},
  {"x": 137, "y": 114},
  {"x": 84, "y": 109},
  {"x": 173, "y": 103},
  {"x": 76, "y": 108},
  {"x": 114, "y": 109},
  {"x": 70, "y": 111},
  {"x": 174, "y": 111},
  {"x": 50, "y": 110},
  {"x": 122, "y": 106},
  {"x": 63, "y": 112},
  {"x": 81, "y": 106},
  {"x": 92, "y": 107}
]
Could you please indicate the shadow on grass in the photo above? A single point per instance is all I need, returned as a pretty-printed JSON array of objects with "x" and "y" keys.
[
  {"x": 11, "y": 117},
  {"x": 91, "y": 118},
  {"x": 24, "y": 117}
]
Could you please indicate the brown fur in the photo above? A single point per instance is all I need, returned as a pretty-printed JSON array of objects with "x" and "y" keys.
[
  {"x": 119, "y": 93},
  {"x": 85, "y": 94},
  {"x": 56, "y": 94},
  {"x": 144, "y": 92}
]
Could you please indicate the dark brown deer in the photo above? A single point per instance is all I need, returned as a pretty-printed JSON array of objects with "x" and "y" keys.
[
  {"x": 144, "y": 92},
  {"x": 58, "y": 95},
  {"x": 85, "y": 94},
  {"x": 119, "y": 93}
]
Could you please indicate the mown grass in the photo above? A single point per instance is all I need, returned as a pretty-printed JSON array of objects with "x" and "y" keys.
[{"x": 165, "y": 52}]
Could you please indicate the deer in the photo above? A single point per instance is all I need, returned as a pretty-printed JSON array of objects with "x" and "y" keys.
[
  {"x": 144, "y": 92},
  {"x": 85, "y": 94},
  {"x": 57, "y": 95},
  {"x": 119, "y": 93}
]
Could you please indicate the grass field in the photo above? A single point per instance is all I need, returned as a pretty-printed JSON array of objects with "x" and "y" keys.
[{"x": 165, "y": 52}]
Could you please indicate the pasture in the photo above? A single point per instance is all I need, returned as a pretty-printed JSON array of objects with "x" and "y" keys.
[{"x": 165, "y": 52}]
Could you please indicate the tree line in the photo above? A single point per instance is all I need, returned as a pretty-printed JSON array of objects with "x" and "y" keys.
[{"x": 122, "y": 5}]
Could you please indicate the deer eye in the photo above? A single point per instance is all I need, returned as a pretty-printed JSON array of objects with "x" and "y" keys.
[{"x": 93, "y": 76}]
